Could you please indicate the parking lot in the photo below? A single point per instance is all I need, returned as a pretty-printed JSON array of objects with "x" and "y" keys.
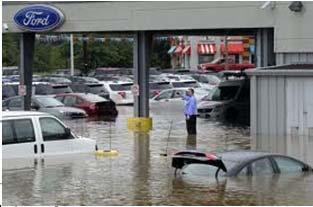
[{"x": 139, "y": 175}]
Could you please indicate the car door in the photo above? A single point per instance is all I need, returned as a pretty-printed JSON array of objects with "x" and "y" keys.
[
  {"x": 54, "y": 139},
  {"x": 19, "y": 139}
]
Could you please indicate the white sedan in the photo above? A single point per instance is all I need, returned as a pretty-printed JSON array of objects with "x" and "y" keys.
[{"x": 170, "y": 101}]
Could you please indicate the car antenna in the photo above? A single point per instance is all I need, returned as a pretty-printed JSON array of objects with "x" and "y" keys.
[
  {"x": 168, "y": 138},
  {"x": 110, "y": 152}
]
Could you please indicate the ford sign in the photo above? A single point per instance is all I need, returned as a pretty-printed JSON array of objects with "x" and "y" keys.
[{"x": 38, "y": 18}]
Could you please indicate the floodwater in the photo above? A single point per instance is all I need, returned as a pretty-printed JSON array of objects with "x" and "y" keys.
[{"x": 139, "y": 175}]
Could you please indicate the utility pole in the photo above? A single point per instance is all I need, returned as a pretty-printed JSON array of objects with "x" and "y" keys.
[{"x": 72, "y": 54}]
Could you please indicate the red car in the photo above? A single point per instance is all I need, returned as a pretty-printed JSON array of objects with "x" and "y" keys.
[
  {"x": 219, "y": 65},
  {"x": 91, "y": 103}
]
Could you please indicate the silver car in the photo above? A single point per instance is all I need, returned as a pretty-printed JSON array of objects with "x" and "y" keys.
[{"x": 45, "y": 104}]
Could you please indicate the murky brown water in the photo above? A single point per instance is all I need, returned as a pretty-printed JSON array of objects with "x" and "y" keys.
[{"x": 140, "y": 176}]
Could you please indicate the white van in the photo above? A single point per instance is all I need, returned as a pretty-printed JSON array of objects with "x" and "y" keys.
[{"x": 34, "y": 134}]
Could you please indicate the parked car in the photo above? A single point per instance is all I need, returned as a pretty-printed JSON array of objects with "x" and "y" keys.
[
  {"x": 219, "y": 65},
  {"x": 82, "y": 79},
  {"x": 91, "y": 103},
  {"x": 36, "y": 134},
  {"x": 55, "y": 80},
  {"x": 120, "y": 92},
  {"x": 185, "y": 84},
  {"x": 8, "y": 91},
  {"x": 94, "y": 88},
  {"x": 170, "y": 101},
  {"x": 230, "y": 100},
  {"x": 157, "y": 86},
  {"x": 238, "y": 163},
  {"x": 44, "y": 88},
  {"x": 7, "y": 71},
  {"x": 45, "y": 104},
  {"x": 208, "y": 81}
]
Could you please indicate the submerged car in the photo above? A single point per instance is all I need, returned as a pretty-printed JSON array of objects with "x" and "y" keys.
[
  {"x": 34, "y": 134},
  {"x": 230, "y": 100},
  {"x": 238, "y": 163},
  {"x": 94, "y": 88},
  {"x": 91, "y": 103},
  {"x": 45, "y": 104}
]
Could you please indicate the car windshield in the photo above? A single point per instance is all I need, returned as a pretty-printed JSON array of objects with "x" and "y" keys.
[
  {"x": 160, "y": 85},
  {"x": 93, "y": 98},
  {"x": 121, "y": 87},
  {"x": 224, "y": 93},
  {"x": 79, "y": 88},
  {"x": 62, "y": 89},
  {"x": 185, "y": 84},
  {"x": 43, "y": 89},
  {"x": 49, "y": 102},
  {"x": 96, "y": 88}
]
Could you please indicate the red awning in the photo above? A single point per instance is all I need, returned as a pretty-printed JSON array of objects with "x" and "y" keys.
[
  {"x": 233, "y": 48},
  {"x": 179, "y": 49},
  {"x": 187, "y": 50},
  {"x": 206, "y": 49}
]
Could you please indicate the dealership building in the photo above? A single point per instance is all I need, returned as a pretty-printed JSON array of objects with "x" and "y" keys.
[{"x": 282, "y": 30}]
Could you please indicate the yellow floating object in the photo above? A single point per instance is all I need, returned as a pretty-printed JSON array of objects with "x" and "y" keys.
[
  {"x": 106, "y": 153},
  {"x": 139, "y": 124}
]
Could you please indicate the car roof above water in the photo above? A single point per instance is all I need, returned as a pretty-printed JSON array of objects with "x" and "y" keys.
[{"x": 241, "y": 156}]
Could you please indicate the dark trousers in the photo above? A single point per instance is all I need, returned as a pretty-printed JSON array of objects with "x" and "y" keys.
[{"x": 191, "y": 124}]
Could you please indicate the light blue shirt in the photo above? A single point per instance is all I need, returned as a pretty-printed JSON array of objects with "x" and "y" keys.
[{"x": 190, "y": 105}]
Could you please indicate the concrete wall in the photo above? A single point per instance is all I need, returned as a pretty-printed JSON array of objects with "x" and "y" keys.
[{"x": 293, "y": 32}]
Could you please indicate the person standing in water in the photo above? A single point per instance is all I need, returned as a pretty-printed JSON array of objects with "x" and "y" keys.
[{"x": 190, "y": 112}]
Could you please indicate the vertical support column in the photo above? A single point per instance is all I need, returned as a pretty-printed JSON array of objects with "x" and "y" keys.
[
  {"x": 72, "y": 53},
  {"x": 265, "y": 47},
  {"x": 27, "y": 44},
  {"x": 142, "y": 47}
]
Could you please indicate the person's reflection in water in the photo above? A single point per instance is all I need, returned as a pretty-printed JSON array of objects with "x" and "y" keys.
[{"x": 191, "y": 142}]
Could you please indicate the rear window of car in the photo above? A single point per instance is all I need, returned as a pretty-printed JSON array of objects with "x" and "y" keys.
[
  {"x": 62, "y": 89},
  {"x": 92, "y": 97},
  {"x": 185, "y": 84},
  {"x": 43, "y": 89},
  {"x": 17, "y": 131},
  {"x": 121, "y": 87},
  {"x": 79, "y": 88},
  {"x": 160, "y": 85},
  {"x": 96, "y": 88}
]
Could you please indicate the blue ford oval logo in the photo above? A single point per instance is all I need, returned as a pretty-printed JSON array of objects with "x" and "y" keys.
[{"x": 38, "y": 18}]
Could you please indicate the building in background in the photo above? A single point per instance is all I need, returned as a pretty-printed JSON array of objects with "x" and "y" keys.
[{"x": 190, "y": 51}]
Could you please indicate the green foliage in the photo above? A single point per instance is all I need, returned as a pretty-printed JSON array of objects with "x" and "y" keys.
[
  {"x": 49, "y": 56},
  {"x": 10, "y": 51}
]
